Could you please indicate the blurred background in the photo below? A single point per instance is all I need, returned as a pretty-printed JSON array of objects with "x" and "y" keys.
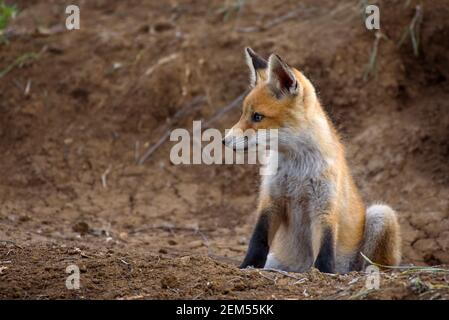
[{"x": 85, "y": 173}]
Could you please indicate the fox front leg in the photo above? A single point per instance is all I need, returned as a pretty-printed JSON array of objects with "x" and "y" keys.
[
  {"x": 258, "y": 248},
  {"x": 325, "y": 261}
]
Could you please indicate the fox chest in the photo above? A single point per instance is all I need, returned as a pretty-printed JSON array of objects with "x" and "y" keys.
[{"x": 311, "y": 193}]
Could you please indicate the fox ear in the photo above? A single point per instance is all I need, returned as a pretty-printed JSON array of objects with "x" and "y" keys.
[
  {"x": 257, "y": 66},
  {"x": 281, "y": 78}
]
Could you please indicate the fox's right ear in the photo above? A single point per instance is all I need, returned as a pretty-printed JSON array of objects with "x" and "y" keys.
[
  {"x": 257, "y": 66},
  {"x": 281, "y": 78}
]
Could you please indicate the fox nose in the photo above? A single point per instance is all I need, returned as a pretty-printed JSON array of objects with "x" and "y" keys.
[{"x": 223, "y": 141}]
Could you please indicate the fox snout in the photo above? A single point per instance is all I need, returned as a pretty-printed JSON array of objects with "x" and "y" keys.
[
  {"x": 251, "y": 140},
  {"x": 237, "y": 143}
]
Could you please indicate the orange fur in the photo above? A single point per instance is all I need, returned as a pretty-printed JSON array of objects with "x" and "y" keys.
[{"x": 345, "y": 211}]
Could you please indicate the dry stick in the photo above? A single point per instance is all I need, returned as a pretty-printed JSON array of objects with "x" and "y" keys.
[
  {"x": 361, "y": 294},
  {"x": 18, "y": 85},
  {"x": 154, "y": 147},
  {"x": 372, "y": 61},
  {"x": 104, "y": 177},
  {"x": 131, "y": 88},
  {"x": 160, "y": 62},
  {"x": 415, "y": 28},
  {"x": 19, "y": 61},
  {"x": 284, "y": 273},
  {"x": 27, "y": 88},
  {"x": 205, "y": 240},
  {"x": 267, "y": 277},
  {"x": 272, "y": 23},
  {"x": 407, "y": 268},
  {"x": 190, "y": 107},
  {"x": 136, "y": 151},
  {"x": 232, "y": 105},
  {"x": 11, "y": 242},
  {"x": 166, "y": 135}
]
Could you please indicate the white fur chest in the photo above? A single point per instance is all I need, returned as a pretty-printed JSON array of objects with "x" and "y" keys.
[{"x": 298, "y": 176}]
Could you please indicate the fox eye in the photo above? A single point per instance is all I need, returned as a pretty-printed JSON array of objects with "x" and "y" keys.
[{"x": 257, "y": 117}]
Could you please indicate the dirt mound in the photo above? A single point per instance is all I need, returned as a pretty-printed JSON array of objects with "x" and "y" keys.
[
  {"x": 79, "y": 108},
  {"x": 114, "y": 274}
]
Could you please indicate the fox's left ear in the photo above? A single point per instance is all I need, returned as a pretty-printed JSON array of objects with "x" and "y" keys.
[
  {"x": 257, "y": 66},
  {"x": 281, "y": 78}
]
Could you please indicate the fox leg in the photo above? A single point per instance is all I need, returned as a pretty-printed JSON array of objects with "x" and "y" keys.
[
  {"x": 258, "y": 245},
  {"x": 298, "y": 241},
  {"x": 325, "y": 261},
  {"x": 268, "y": 223},
  {"x": 382, "y": 242}
]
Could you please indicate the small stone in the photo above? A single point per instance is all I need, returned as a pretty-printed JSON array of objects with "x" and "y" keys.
[
  {"x": 195, "y": 244},
  {"x": 81, "y": 227},
  {"x": 123, "y": 236},
  {"x": 185, "y": 260},
  {"x": 169, "y": 281}
]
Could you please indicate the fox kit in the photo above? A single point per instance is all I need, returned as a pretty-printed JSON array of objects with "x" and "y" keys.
[{"x": 310, "y": 213}]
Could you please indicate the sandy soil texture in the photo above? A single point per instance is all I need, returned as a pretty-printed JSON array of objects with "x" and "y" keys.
[{"x": 78, "y": 109}]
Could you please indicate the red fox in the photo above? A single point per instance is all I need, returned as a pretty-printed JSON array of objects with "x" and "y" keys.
[{"x": 310, "y": 213}]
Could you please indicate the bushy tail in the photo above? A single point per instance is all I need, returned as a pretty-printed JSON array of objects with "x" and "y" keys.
[{"x": 382, "y": 240}]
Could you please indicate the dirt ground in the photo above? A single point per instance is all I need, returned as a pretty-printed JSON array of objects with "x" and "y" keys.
[{"x": 79, "y": 108}]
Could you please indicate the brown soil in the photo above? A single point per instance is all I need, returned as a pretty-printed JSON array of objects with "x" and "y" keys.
[{"x": 162, "y": 231}]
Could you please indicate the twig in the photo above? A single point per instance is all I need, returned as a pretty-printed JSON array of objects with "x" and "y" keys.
[
  {"x": 154, "y": 147},
  {"x": 197, "y": 296},
  {"x": 413, "y": 30},
  {"x": 267, "y": 277},
  {"x": 373, "y": 57},
  {"x": 272, "y": 23},
  {"x": 136, "y": 151},
  {"x": 363, "y": 4},
  {"x": 27, "y": 88},
  {"x": 361, "y": 294},
  {"x": 12, "y": 242},
  {"x": 408, "y": 268},
  {"x": 136, "y": 297},
  {"x": 413, "y": 269},
  {"x": 300, "y": 281},
  {"x": 438, "y": 286},
  {"x": 181, "y": 112},
  {"x": 160, "y": 62},
  {"x": 19, "y": 61},
  {"x": 225, "y": 109},
  {"x": 284, "y": 273},
  {"x": 188, "y": 108},
  {"x": 18, "y": 85},
  {"x": 104, "y": 176},
  {"x": 228, "y": 10},
  {"x": 283, "y": 18},
  {"x": 205, "y": 239}
]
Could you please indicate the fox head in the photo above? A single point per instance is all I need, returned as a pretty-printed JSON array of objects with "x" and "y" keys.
[{"x": 280, "y": 98}]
